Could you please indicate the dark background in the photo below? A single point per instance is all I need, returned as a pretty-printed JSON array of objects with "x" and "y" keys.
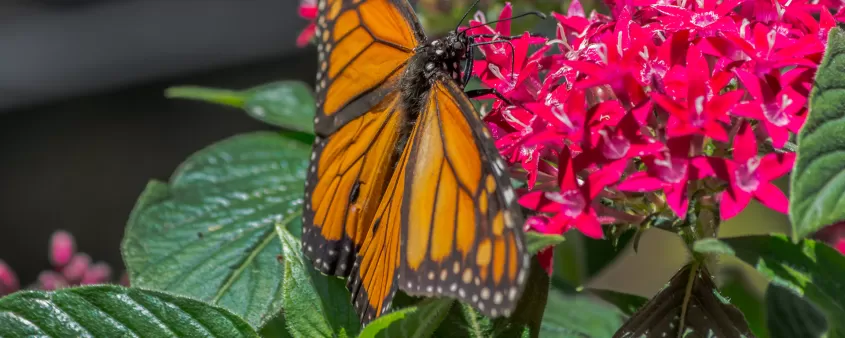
[{"x": 77, "y": 150}]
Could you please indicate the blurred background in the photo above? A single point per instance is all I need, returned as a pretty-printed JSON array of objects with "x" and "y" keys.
[{"x": 84, "y": 123}]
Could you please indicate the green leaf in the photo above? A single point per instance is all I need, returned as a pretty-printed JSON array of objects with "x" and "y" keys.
[
  {"x": 537, "y": 241},
  {"x": 680, "y": 309},
  {"x": 114, "y": 311},
  {"x": 569, "y": 314},
  {"x": 751, "y": 305},
  {"x": 225, "y": 97},
  {"x": 627, "y": 303},
  {"x": 790, "y": 315},
  {"x": 315, "y": 305},
  {"x": 810, "y": 268},
  {"x": 818, "y": 178},
  {"x": 712, "y": 246},
  {"x": 416, "y": 321},
  {"x": 210, "y": 234},
  {"x": 286, "y": 104}
]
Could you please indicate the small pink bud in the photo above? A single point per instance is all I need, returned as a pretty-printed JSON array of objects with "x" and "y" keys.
[
  {"x": 62, "y": 248},
  {"x": 50, "y": 280},
  {"x": 75, "y": 269},
  {"x": 8, "y": 279},
  {"x": 96, "y": 274}
]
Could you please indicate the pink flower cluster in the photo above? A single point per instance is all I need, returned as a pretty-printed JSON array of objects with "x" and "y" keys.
[
  {"x": 665, "y": 101},
  {"x": 69, "y": 268}
]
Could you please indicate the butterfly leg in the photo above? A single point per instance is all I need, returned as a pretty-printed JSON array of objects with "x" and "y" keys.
[{"x": 488, "y": 91}]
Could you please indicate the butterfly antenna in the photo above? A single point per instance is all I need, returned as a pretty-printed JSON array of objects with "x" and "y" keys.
[
  {"x": 534, "y": 13},
  {"x": 466, "y": 14}
]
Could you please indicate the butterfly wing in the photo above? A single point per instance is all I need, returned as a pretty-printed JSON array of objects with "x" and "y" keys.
[
  {"x": 361, "y": 45},
  {"x": 461, "y": 229},
  {"x": 447, "y": 224},
  {"x": 363, "y": 48}
]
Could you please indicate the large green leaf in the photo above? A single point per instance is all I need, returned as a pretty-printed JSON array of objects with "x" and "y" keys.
[
  {"x": 209, "y": 233},
  {"x": 789, "y": 315},
  {"x": 314, "y": 305},
  {"x": 114, "y": 311},
  {"x": 690, "y": 303},
  {"x": 818, "y": 179},
  {"x": 286, "y": 104},
  {"x": 810, "y": 268},
  {"x": 569, "y": 314},
  {"x": 416, "y": 321}
]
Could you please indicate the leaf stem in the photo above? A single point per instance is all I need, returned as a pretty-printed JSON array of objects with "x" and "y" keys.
[
  {"x": 225, "y": 97},
  {"x": 687, "y": 295}
]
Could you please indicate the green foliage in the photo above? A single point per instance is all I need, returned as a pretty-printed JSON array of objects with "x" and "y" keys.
[
  {"x": 209, "y": 233},
  {"x": 114, "y": 311},
  {"x": 569, "y": 314},
  {"x": 416, "y": 321},
  {"x": 814, "y": 271},
  {"x": 314, "y": 305},
  {"x": 286, "y": 104},
  {"x": 536, "y": 242},
  {"x": 790, "y": 315},
  {"x": 818, "y": 179}
]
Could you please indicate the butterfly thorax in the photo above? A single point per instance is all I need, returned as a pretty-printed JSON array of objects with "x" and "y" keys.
[{"x": 433, "y": 59}]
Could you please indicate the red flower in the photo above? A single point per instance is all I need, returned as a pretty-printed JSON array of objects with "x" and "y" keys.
[
  {"x": 671, "y": 172},
  {"x": 701, "y": 111},
  {"x": 773, "y": 104},
  {"x": 708, "y": 18},
  {"x": 571, "y": 205},
  {"x": 307, "y": 10},
  {"x": 750, "y": 175}
]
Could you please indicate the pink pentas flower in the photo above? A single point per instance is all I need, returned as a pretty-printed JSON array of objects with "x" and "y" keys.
[
  {"x": 670, "y": 171},
  {"x": 62, "y": 248},
  {"x": 773, "y": 104},
  {"x": 8, "y": 279},
  {"x": 571, "y": 206},
  {"x": 750, "y": 176},
  {"x": 708, "y": 18},
  {"x": 699, "y": 111},
  {"x": 308, "y": 11}
]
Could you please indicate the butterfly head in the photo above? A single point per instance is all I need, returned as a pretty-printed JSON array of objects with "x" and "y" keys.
[{"x": 445, "y": 55}]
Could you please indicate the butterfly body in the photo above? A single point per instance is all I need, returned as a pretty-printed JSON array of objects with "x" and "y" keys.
[{"x": 405, "y": 189}]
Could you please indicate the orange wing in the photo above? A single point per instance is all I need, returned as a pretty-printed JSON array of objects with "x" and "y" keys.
[
  {"x": 363, "y": 48},
  {"x": 447, "y": 224},
  {"x": 361, "y": 44},
  {"x": 461, "y": 228}
]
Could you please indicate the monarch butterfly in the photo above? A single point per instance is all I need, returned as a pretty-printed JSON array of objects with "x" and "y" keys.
[{"x": 405, "y": 189}]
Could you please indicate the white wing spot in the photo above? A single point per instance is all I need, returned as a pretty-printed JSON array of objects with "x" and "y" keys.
[
  {"x": 494, "y": 312},
  {"x": 509, "y": 195},
  {"x": 461, "y": 292},
  {"x": 512, "y": 294},
  {"x": 456, "y": 268},
  {"x": 485, "y": 293},
  {"x": 497, "y": 298},
  {"x": 453, "y": 287},
  {"x": 429, "y": 289},
  {"x": 431, "y": 275}
]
